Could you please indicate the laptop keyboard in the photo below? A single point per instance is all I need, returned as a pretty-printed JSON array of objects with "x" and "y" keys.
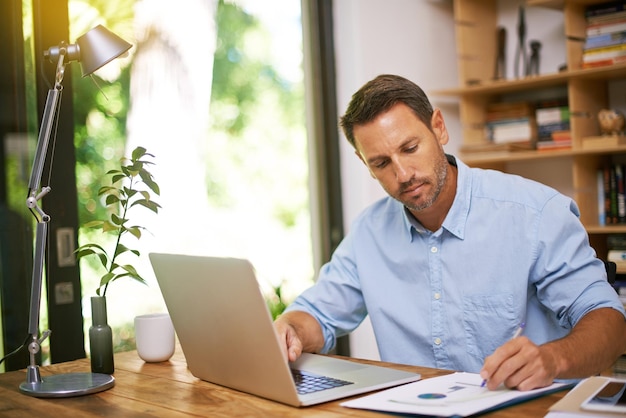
[{"x": 307, "y": 382}]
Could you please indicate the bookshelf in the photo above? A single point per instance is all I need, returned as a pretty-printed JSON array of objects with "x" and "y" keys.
[{"x": 586, "y": 90}]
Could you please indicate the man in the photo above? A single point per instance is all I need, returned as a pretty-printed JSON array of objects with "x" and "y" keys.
[{"x": 456, "y": 259}]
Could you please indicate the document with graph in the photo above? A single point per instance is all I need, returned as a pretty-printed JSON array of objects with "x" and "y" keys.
[{"x": 456, "y": 394}]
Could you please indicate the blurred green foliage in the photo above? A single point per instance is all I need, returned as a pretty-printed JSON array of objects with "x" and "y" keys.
[{"x": 256, "y": 140}]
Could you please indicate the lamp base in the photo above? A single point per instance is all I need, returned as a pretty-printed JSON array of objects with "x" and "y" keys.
[{"x": 68, "y": 385}]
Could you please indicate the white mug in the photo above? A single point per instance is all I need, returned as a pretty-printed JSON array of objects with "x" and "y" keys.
[{"x": 154, "y": 336}]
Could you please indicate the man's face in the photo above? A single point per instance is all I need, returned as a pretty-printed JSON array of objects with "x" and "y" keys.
[{"x": 405, "y": 156}]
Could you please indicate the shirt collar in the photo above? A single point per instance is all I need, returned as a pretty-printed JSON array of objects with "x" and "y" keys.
[{"x": 456, "y": 219}]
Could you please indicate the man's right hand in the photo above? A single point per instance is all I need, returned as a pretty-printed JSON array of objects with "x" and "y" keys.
[
  {"x": 297, "y": 332},
  {"x": 291, "y": 345}
]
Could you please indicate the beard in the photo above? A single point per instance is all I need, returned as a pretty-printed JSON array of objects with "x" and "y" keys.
[{"x": 437, "y": 182}]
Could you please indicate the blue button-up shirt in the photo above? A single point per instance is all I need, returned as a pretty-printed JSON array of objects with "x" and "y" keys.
[{"x": 509, "y": 251}]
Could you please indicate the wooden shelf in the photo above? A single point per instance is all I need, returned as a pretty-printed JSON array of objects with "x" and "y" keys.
[
  {"x": 587, "y": 92},
  {"x": 479, "y": 158},
  {"x": 603, "y": 142},
  {"x": 536, "y": 82},
  {"x": 606, "y": 229}
]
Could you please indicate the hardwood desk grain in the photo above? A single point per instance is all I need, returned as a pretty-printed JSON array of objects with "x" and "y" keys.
[{"x": 168, "y": 389}]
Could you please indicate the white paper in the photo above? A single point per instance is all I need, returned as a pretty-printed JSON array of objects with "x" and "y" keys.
[
  {"x": 457, "y": 394},
  {"x": 562, "y": 414}
]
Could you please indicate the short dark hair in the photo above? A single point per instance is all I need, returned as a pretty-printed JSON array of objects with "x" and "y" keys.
[{"x": 378, "y": 96}]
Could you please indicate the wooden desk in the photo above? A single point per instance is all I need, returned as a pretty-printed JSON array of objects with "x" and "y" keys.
[{"x": 169, "y": 390}]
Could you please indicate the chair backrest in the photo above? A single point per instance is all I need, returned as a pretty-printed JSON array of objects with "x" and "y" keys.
[{"x": 611, "y": 271}]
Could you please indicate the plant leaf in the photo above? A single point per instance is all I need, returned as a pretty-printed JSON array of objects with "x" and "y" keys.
[
  {"x": 135, "y": 230},
  {"x": 146, "y": 177},
  {"x": 117, "y": 220},
  {"x": 133, "y": 273},
  {"x": 138, "y": 153},
  {"x": 153, "y": 206},
  {"x": 106, "y": 278},
  {"x": 93, "y": 249},
  {"x": 118, "y": 177},
  {"x": 111, "y": 200},
  {"x": 121, "y": 249},
  {"x": 94, "y": 224}
]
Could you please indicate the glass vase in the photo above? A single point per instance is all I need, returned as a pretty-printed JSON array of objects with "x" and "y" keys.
[{"x": 100, "y": 338}]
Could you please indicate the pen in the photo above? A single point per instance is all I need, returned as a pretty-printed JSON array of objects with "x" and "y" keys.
[{"x": 518, "y": 332}]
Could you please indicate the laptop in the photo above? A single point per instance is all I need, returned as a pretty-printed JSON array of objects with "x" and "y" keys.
[{"x": 227, "y": 336}]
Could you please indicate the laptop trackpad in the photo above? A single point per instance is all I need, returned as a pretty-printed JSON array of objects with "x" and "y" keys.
[{"x": 325, "y": 365}]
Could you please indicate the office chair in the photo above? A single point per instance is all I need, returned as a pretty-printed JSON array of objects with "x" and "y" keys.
[{"x": 611, "y": 271}]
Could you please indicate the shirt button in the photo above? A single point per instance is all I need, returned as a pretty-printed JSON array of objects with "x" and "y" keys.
[
  {"x": 433, "y": 249},
  {"x": 437, "y": 296},
  {"x": 437, "y": 341}
]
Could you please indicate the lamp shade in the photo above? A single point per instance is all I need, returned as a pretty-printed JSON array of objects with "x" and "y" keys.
[{"x": 99, "y": 46}]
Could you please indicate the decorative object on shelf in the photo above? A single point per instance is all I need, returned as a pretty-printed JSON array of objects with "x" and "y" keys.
[
  {"x": 521, "y": 45},
  {"x": 500, "y": 70},
  {"x": 533, "y": 65},
  {"x": 611, "y": 122},
  {"x": 93, "y": 49},
  {"x": 100, "y": 338}
]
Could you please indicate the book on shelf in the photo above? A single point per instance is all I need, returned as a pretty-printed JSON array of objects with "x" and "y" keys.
[
  {"x": 565, "y": 135},
  {"x": 553, "y": 145},
  {"x": 510, "y": 122},
  {"x": 601, "y": 198},
  {"x": 553, "y": 125},
  {"x": 613, "y": 192},
  {"x": 554, "y": 131},
  {"x": 556, "y": 140},
  {"x": 616, "y": 241},
  {"x": 620, "y": 193},
  {"x": 604, "y": 40},
  {"x": 508, "y": 110},
  {"x": 606, "y": 27},
  {"x": 487, "y": 147},
  {"x": 510, "y": 130},
  {"x": 605, "y": 62},
  {"x": 607, "y": 52},
  {"x": 617, "y": 256},
  {"x": 606, "y": 8},
  {"x": 613, "y": 196},
  {"x": 552, "y": 115},
  {"x": 606, "y": 18}
]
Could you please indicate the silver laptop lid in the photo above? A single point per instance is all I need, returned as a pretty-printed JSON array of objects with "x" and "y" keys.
[{"x": 223, "y": 324}]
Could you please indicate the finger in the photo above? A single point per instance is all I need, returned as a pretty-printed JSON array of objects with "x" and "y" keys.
[
  {"x": 282, "y": 339},
  {"x": 294, "y": 345}
]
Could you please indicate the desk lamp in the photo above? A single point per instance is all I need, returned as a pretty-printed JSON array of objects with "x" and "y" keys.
[{"x": 93, "y": 50}]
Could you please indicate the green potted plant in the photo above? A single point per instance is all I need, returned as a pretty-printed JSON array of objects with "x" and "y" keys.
[{"x": 130, "y": 188}]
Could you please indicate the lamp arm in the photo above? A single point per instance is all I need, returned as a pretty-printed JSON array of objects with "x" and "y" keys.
[
  {"x": 47, "y": 122},
  {"x": 53, "y": 101}
]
